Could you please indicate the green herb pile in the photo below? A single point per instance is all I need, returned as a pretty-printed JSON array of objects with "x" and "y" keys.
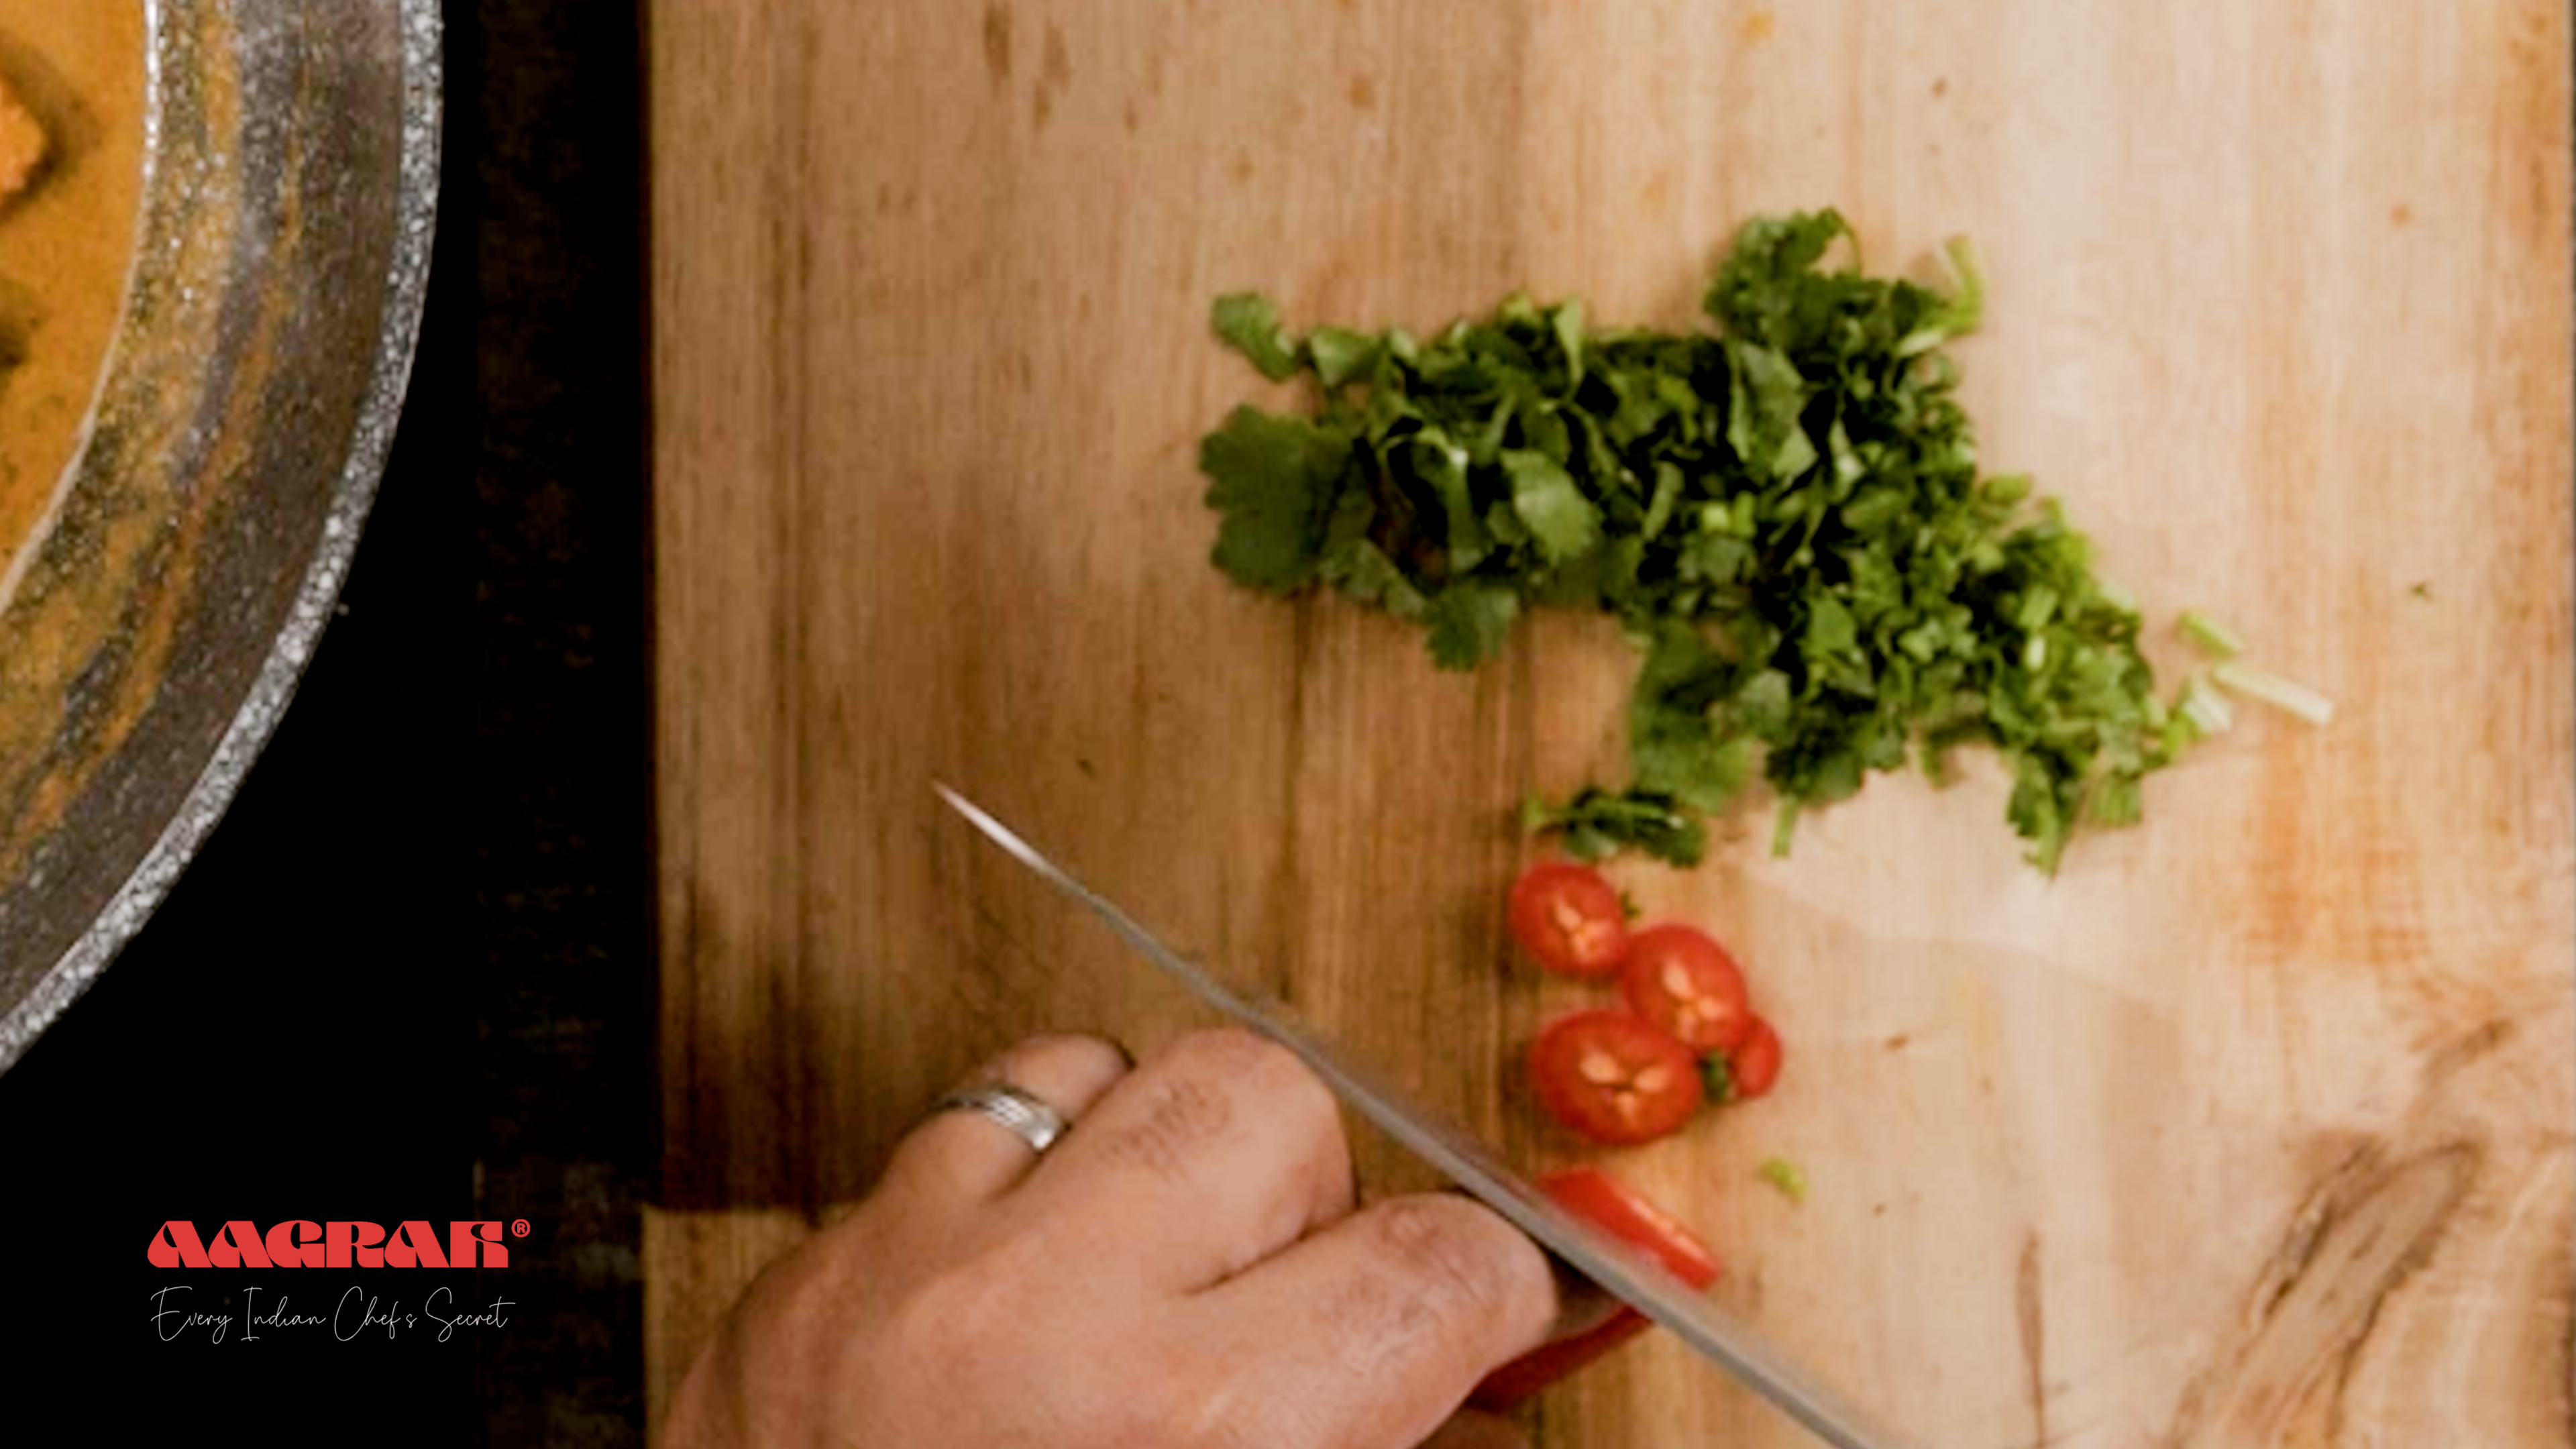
[{"x": 1786, "y": 516}]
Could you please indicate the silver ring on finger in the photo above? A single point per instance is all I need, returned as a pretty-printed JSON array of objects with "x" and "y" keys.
[{"x": 1018, "y": 1111}]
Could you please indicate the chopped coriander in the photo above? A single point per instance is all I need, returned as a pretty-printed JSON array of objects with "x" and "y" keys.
[
  {"x": 2206, "y": 709},
  {"x": 2215, "y": 638},
  {"x": 2283, "y": 694},
  {"x": 1597, "y": 825},
  {"x": 1785, "y": 514},
  {"x": 1787, "y": 1176},
  {"x": 1469, "y": 621},
  {"x": 1340, "y": 354},
  {"x": 1268, "y": 476},
  {"x": 1250, "y": 325}
]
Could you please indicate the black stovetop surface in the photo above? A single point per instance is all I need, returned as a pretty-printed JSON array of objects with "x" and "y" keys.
[{"x": 410, "y": 975}]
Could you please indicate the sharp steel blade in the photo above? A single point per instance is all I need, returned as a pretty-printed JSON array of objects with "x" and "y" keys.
[{"x": 1625, "y": 1273}]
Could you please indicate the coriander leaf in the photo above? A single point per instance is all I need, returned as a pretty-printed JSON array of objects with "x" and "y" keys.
[
  {"x": 1273, "y": 479},
  {"x": 1873, "y": 509},
  {"x": 1714, "y": 558},
  {"x": 2116, "y": 801},
  {"x": 1544, "y": 495},
  {"x": 1365, "y": 575},
  {"x": 1761, "y": 708},
  {"x": 1849, "y": 469},
  {"x": 1566, "y": 320},
  {"x": 1668, "y": 491},
  {"x": 1339, "y": 354},
  {"x": 1763, "y": 406},
  {"x": 1596, "y": 821},
  {"x": 1674, "y": 744},
  {"x": 1830, "y": 630},
  {"x": 1966, "y": 309},
  {"x": 2037, "y": 811},
  {"x": 1797, "y": 453},
  {"x": 1469, "y": 620},
  {"x": 1763, "y": 289},
  {"x": 1250, "y": 325},
  {"x": 1544, "y": 430}
]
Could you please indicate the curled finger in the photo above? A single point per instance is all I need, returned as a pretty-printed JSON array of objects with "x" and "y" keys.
[
  {"x": 1375, "y": 1329},
  {"x": 1216, "y": 1153},
  {"x": 961, "y": 1156}
]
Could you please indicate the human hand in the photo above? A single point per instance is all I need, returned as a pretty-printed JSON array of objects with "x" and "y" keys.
[{"x": 1185, "y": 1270}]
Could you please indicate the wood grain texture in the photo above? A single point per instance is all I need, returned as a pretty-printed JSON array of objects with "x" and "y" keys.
[{"x": 2257, "y": 1126}]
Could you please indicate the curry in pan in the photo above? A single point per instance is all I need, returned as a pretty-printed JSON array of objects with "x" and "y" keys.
[{"x": 71, "y": 172}]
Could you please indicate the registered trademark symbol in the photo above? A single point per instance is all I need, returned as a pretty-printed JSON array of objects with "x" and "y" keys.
[{"x": 518, "y": 1227}]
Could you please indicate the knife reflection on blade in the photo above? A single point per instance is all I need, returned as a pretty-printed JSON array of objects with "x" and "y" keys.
[{"x": 1622, "y": 1271}]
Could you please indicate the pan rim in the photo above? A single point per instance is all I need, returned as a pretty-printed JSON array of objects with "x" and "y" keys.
[{"x": 272, "y": 689}]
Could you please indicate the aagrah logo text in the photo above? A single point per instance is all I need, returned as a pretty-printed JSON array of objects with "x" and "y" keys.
[{"x": 304, "y": 1244}]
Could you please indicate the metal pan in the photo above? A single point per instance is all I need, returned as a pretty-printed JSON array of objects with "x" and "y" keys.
[{"x": 157, "y": 631}]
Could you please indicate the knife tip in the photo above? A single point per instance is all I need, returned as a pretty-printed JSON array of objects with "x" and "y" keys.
[{"x": 976, "y": 815}]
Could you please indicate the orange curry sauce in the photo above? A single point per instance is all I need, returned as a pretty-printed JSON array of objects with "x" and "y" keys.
[{"x": 72, "y": 74}]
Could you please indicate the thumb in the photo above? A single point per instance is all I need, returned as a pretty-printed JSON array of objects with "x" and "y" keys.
[{"x": 1472, "y": 1430}]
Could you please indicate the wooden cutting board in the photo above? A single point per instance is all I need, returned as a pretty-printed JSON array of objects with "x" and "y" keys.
[{"x": 2256, "y": 1126}]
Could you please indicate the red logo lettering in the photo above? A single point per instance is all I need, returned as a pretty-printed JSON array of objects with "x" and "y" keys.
[
  {"x": 414, "y": 1245},
  {"x": 296, "y": 1243},
  {"x": 237, "y": 1245},
  {"x": 304, "y": 1243},
  {"x": 353, "y": 1242},
  {"x": 176, "y": 1246},
  {"x": 462, "y": 1241}
]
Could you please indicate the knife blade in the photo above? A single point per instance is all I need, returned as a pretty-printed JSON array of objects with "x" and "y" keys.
[{"x": 1621, "y": 1270}]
